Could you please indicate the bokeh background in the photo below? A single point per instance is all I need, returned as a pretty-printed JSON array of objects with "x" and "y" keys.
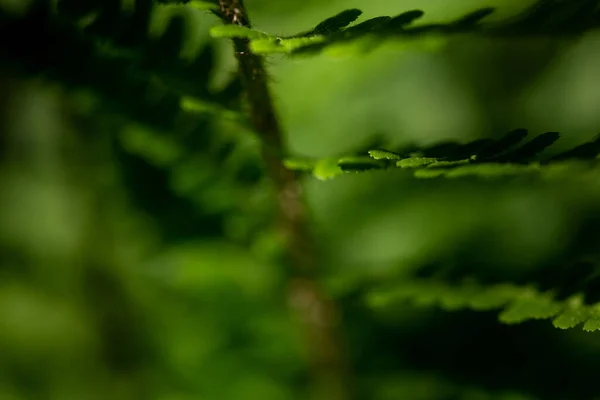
[{"x": 126, "y": 275}]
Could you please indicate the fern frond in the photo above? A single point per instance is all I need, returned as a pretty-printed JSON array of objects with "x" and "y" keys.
[
  {"x": 515, "y": 303},
  {"x": 483, "y": 158},
  {"x": 336, "y": 34}
]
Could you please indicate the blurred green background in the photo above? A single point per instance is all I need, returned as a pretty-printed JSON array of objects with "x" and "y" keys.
[{"x": 127, "y": 276}]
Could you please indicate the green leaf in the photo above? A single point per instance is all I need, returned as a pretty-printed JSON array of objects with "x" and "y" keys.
[
  {"x": 429, "y": 295},
  {"x": 269, "y": 45},
  {"x": 588, "y": 150},
  {"x": 384, "y": 155},
  {"x": 415, "y": 162},
  {"x": 460, "y": 298},
  {"x": 493, "y": 297},
  {"x": 530, "y": 149},
  {"x": 338, "y": 21},
  {"x": 509, "y": 140},
  {"x": 530, "y": 305},
  {"x": 575, "y": 313},
  {"x": 593, "y": 322},
  {"x": 406, "y": 18},
  {"x": 368, "y": 25},
  {"x": 326, "y": 169}
]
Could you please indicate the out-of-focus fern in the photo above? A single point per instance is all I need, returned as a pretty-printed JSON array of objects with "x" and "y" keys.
[
  {"x": 483, "y": 157},
  {"x": 188, "y": 161},
  {"x": 124, "y": 67},
  {"x": 517, "y": 303},
  {"x": 160, "y": 105},
  {"x": 336, "y": 34}
]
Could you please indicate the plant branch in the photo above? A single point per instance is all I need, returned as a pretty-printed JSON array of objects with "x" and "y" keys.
[{"x": 315, "y": 310}]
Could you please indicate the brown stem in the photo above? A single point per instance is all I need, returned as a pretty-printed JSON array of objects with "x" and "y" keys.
[{"x": 310, "y": 303}]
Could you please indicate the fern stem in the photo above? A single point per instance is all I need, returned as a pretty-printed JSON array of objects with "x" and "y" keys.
[{"x": 317, "y": 313}]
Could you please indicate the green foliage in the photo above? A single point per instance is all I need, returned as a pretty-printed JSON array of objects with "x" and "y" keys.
[
  {"x": 181, "y": 153},
  {"x": 483, "y": 157},
  {"x": 134, "y": 76},
  {"x": 141, "y": 256}
]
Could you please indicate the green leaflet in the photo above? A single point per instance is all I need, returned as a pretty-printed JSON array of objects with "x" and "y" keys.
[
  {"x": 517, "y": 304},
  {"x": 329, "y": 168},
  {"x": 337, "y": 22},
  {"x": 493, "y": 297},
  {"x": 529, "y": 304},
  {"x": 593, "y": 322},
  {"x": 415, "y": 162},
  {"x": 326, "y": 168},
  {"x": 384, "y": 155},
  {"x": 573, "y": 314}
]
